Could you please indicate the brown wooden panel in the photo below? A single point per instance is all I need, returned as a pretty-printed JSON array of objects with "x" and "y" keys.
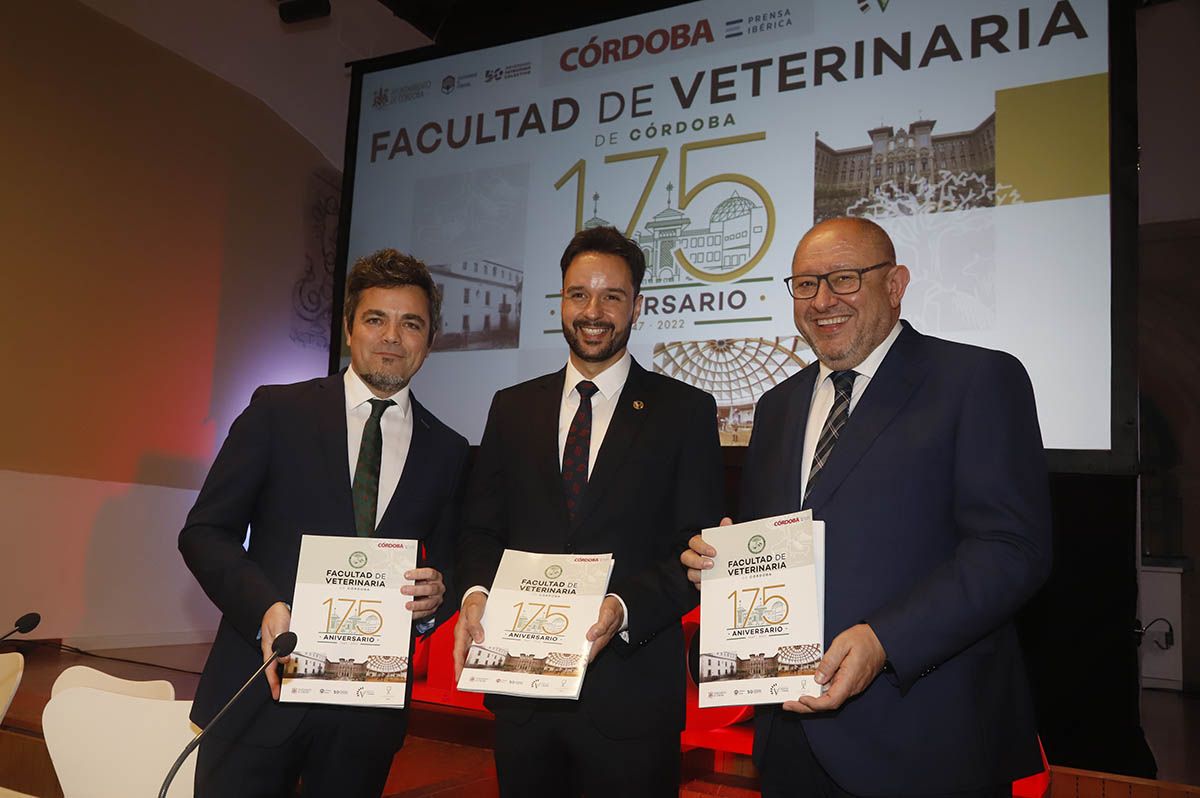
[
  {"x": 1116, "y": 789},
  {"x": 1089, "y": 787},
  {"x": 1062, "y": 785},
  {"x": 25, "y": 765}
]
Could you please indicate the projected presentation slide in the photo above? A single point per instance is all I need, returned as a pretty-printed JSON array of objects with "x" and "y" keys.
[{"x": 715, "y": 134}]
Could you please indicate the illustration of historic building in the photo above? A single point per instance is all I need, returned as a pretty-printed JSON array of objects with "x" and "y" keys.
[
  {"x": 524, "y": 663},
  {"x": 734, "y": 232},
  {"x": 484, "y": 657},
  {"x": 554, "y": 664},
  {"x": 763, "y": 614},
  {"x": 718, "y": 665},
  {"x": 346, "y": 670},
  {"x": 901, "y": 157},
  {"x": 481, "y": 305},
  {"x": 304, "y": 663},
  {"x": 786, "y": 661},
  {"x": 757, "y": 666}
]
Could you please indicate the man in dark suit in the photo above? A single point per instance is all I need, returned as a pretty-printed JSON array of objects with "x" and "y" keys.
[
  {"x": 641, "y": 474},
  {"x": 353, "y": 452},
  {"x": 924, "y": 459}
]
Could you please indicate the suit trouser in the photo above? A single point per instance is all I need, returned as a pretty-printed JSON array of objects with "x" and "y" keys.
[
  {"x": 560, "y": 753},
  {"x": 790, "y": 770},
  {"x": 324, "y": 754}
]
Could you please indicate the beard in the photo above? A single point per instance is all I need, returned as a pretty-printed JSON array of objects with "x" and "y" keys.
[
  {"x": 618, "y": 341},
  {"x": 850, "y": 353},
  {"x": 383, "y": 381}
]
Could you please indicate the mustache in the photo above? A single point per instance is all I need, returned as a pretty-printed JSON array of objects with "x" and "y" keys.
[{"x": 579, "y": 323}]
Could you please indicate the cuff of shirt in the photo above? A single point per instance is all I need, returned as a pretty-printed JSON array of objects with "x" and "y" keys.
[
  {"x": 475, "y": 589},
  {"x": 623, "y": 631}
]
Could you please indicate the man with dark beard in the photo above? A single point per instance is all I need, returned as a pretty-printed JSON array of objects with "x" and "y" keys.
[
  {"x": 352, "y": 453},
  {"x": 600, "y": 456}
]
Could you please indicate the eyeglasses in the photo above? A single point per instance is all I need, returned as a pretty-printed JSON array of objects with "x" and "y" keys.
[{"x": 843, "y": 281}]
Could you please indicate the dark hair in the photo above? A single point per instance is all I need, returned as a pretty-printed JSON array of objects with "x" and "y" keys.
[
  {"x": 609, "y": 241},
  {"x": 388, "y": 268}
]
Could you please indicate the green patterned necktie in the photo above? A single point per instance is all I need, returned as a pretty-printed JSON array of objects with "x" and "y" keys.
[{"x": 366, "y": 473}]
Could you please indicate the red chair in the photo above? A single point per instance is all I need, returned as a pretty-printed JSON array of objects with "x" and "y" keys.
[{"x": 1038, "y": 784}]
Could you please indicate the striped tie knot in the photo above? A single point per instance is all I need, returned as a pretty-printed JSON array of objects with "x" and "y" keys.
[{"x": 839, "y": 414}]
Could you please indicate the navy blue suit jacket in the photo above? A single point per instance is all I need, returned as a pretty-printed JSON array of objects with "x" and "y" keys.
[
  {"x": 937, "y": 515},
  {"x": 284, "y": 471}
]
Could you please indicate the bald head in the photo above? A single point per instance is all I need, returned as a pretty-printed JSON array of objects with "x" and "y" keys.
[
  {"x": 842, "y": 323},
  {"x": 863, "y": 234}
]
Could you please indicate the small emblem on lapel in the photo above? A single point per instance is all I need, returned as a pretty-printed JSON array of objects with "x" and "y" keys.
[{"x": 638, "y": 404}]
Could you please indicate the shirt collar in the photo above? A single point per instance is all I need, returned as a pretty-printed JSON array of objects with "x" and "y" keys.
[
  {"x": 358, "y": 394},
  {"x": 609, "y": 382},
  {"x": 871, "y": 362}
]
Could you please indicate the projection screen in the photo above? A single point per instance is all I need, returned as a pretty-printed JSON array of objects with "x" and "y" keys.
[{"x": 977, "y": 132}]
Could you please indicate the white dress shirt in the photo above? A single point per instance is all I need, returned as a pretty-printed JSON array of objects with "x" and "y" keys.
[
  {"x": 609, "y": 383},
  {"x": 824, "y": 394},
  {"x": 396, "y": 426}
]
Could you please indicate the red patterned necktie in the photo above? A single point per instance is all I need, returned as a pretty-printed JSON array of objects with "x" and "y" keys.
[{"x": 575, "y": 453}]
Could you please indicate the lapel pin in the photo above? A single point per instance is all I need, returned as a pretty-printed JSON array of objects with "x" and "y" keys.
[{"x": 638, "y": 404}]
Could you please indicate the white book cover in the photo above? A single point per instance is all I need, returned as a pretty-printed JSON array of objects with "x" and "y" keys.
[
  {"x": 761, "y": 611},
  {"x": 535, "y": 625},
  {"x": 352, "y": 627}
]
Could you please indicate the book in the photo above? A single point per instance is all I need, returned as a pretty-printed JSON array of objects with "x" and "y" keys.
[
  {"x": 761, "y": 611},
  {"x": 535, "y": 624},
  {"x": 352, "y": 627}
]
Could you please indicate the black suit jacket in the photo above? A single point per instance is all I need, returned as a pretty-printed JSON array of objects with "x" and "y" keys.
[
  {"x": 656, "y": 481},
  {"x": 937, "y": 514},
  {"x": 284, "y": 471}
]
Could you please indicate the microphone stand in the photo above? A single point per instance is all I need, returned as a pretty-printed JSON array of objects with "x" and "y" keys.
[
  {"x": 25, "y": 624},
  {"x": 282, "y": 646}
]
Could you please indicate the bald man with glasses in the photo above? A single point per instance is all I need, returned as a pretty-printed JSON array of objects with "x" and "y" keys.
[{"x": 924, "y": 459}]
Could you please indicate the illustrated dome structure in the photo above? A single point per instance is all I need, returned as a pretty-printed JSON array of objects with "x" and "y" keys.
[
  {"x": 794, "y": 658},
  {"x": 736, "y": 371},
  {"x": 557, "y": 661},
  {"x": 735, "y": 207},
  {"x": 387, "y": 667}
]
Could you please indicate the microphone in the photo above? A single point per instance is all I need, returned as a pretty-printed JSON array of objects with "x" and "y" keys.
[
  {"x": 281, "y": 646},
  {"x": 24, "y": 625}
]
